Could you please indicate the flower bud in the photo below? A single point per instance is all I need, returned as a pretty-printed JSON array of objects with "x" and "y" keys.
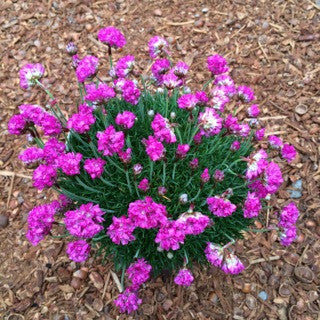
[
  {"x": 183, "y": 198},
  {"x": 137, "y": 169},
  {"x": 162, "y": 191},
  {"x": 172, "y": 115},
  {"x": 71, "y": 48},
  {"x": 151, "y": 113},
  {"x": 170, "y": 255},
  {"x": 218, "y": 175},
  {"x": 194, "y": 163}
]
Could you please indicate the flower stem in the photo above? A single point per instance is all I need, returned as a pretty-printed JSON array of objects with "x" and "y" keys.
[
  {"x": 174, "y": 171},
  {"x": 164, "y": 172},
  {"x": 151, "y": 169},
  {"x": 206, "y": 84}
]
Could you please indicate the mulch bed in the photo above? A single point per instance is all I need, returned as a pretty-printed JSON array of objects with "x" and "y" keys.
[{"x": 272, "y": 46}]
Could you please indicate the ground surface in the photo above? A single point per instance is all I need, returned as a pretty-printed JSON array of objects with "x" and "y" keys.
[{"x": 272, "y": 46}]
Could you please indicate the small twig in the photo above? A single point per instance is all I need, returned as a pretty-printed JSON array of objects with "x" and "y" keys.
[
  {"x": 10, "y": 190},
  {"x": 105, "y": 285},
  {"x": 263, "y": 51},
  {"x": 117, "y": 281},
  {"x": 273, "y": 258},
  {"x": 6, "y": 173},
  {"x": 268, "y": 118},
  {"x": 303, "y": 253},
  {"x": 313, "y": 4},
  {"x": 180, "y": 23},
  {"x": 275, "y": 132}
]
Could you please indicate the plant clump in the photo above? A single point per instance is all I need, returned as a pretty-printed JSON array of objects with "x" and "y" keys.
[{"x": 150, "y": 174}]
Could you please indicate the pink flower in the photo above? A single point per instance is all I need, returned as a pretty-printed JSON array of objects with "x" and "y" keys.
[
  {"x": 158, "y": 46},
  {"x": 99, "y": 94},
  {"x": 184, "y": 278},
  {"x": 128, "y": 301},
  {"x": 84, "y": 222},
  {"x": 214, "y": 254},
  {"x": 273, "y": 177},
  {"x": 128, "y": 89},
  {"x": 170, "y": 236},
  {"x": 147, "y": 214},
  {"x": 94, "y": 167},
  {"x": 159, "y": 68},
  {"x": 124, "y": 66},
  {"x": 246, "y": 93},
  {"x": 193, "y": 222},
  {"x": 288, "y": 235},
  {"x": 256, "y": 164},
  {"x": 182, "y": 150},
  {"x": 125, "y": 156},
  {"x": 82, "y": 121},
  {"x": 231, "y": 123},
  {"x": 40, "y": 220},
  {"x": 202, "y": 98},
  {"x": 29, "y": 73},
  {"x": 30, "y": 155},
  {"x": 52, "y": 150},
  {"x": 275, "y": 142},
  {"x": 205, "y": 176},
  {"x": 86, "y": 68},
  {"x": 180, "y": 69},
  {"x": 69, "y": 163},
  {"x": 259, "y": 189},
  {"x": 232, "y": 264},
  {"x": 126, "y": 119},
  {"x": 78, "y": 251},
  {"x": 289, "y": 215},
  {"x": 259, "y": 134},
  {"x": 210, "y": 122},
  {"x": 112, "y": 37},
  {"x": 162, "y": 129},
  {"x": 253, "y": 111},
  {"x": 244, "y": 130},
  {"x": 252, "y": 205},
  {"x": 217, "y": 64},
  {"x": 154, "y": 148},
  {"x": 288, "y": 152},
  {"x": 17, "y": 124},
  {"x": 144, "y": 185},
  {"x": 187, "y": 101},
  {"x": 110, "y": 141},
  {"x": 139, "y": 272},
  {"x": 120, "y": 230},
  {"x": 224, "y": 80},
  {"x": 44, "y": 176},
  {"x": 171, "y": 81},
  {"x": 221, "y": 207}
]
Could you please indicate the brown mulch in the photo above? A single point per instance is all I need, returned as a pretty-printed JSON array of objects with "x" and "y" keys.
[{"x": 271, "y": 45}]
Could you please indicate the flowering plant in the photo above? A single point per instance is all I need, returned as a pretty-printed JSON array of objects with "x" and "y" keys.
[{"x": 156, "y": 178}]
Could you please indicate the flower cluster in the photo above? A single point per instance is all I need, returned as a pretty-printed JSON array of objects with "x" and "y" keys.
[{"x": 157, "y": 178}]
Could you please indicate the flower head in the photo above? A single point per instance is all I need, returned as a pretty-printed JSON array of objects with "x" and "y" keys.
[
  {"x": 82, "y": 121},
  {"x": 17, "y": 124},
  {"x": 139, "y": 272},
  {"x": 125, "y": 119},
  {"x": 288, "y": 152},
  {"x": 86, "y": 68},
  {"x": 217, "y": 64},
  {"x": 221, "y": 207},
  {"x": 252, "y": 205},
  {"x": 69, "y": 163},
  {"x": 44, "y": 176},
  {"x": 170, "y": 236},
  {"x": 124, "y": 66},
  {"x": 110, "y": 141},
  {"x": 232, "y": 264},
  {"x": 128, "y": 301},
  {"x": 29, "y": 74},
  {"x": 158, "y": 46},
  {"x": 154, "y": 148},
  {"x": 214, "y": 254},
  {"x": 120, "y": 230},
  {"x": 289, "y": 215},
  {"x": 187, "y": 101},
  {"x": 78, "y": 251},
  {"x": 184, "y": 278},
  {"x": 94, "y": 167},
  {"x": 84, "y": 222},
  {"x": 144, "y": 185},
  {"x": 99, "y": 94},
  {"x": 112, "y": 37},
  {"x": 162, "y": 129}
]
